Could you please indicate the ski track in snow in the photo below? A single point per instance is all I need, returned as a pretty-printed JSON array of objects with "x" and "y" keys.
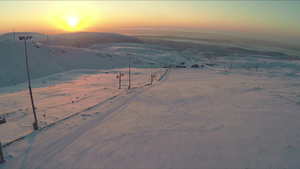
[
  {"x": 175, "y": 135},
  {"x": 126, "y": 102},
  {"x": 67, "y": 139}
]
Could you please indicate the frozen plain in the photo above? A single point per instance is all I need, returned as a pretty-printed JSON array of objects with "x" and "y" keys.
[{"x": 211, "y": 117}]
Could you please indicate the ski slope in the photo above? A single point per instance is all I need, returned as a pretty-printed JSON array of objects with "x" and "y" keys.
[
  {"x": 63, "y": 95},
  {"x": 191, "y": 119},
  {"x": 239, "y": 109}
]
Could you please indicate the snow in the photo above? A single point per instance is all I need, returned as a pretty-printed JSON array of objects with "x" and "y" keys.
[
  {"x": 46, "y": 60},
  {"x": 65, "y": 93},
  {"x": 228, "y": 113}
]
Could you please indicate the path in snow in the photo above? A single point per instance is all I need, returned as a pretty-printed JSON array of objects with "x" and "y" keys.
[
  {"x": 62, "y": 99},
  {"x": 70, "y": 137}
]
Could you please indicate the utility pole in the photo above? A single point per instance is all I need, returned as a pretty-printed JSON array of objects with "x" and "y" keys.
[
  {"x": 120, "y": 77},
  {"x": 35, "y": 124},
  {"x": 129, "y": 85},
  {"x": 151, "y": 76}
]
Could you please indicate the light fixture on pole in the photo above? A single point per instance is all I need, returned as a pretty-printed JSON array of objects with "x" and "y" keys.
[{"x": 35, "y": 124}]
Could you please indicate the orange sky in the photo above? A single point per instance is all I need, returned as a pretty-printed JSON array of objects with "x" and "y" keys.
[{"x": 280, "y": 18}]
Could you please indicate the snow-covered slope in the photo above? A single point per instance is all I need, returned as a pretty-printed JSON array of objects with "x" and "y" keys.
[
  {"x": 84, "y": 39},
  {"x": 45, "y": 60},
  {"x": 95, "y": 52},
  {"x": 238, "y": 109},
  {"x": 193, "y": 118}
]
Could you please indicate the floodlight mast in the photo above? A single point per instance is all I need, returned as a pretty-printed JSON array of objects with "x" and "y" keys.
[
  {"x": 35, "y": 124},
  {"x": 129, "y": 86}
]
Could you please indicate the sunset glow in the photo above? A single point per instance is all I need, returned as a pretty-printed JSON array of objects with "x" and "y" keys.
[{"x": 272, "y": 18}]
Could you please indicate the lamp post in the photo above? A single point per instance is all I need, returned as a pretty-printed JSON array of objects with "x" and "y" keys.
[{"x": 35, "y": 124}]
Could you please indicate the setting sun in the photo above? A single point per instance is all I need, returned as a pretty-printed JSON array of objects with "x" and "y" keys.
[{"x": 72, "y": 21}]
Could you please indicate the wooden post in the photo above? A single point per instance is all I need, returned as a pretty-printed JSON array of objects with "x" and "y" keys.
[
  {"x": 120, "y": 81},
  {"x": 152, "y": 77},
  {"x": 1, "y": 154},
  {"x": 119, "y": 77},
  {"x": 129, "y": 85}
]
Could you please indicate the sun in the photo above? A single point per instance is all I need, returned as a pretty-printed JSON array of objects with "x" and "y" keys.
[{"x": 72, "y": 21}]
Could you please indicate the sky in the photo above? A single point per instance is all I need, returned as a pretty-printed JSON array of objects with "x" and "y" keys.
[{"x": 272, "y": 18}]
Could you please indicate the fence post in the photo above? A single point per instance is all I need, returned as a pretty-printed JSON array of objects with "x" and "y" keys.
[{"x": 1, "y": 154}]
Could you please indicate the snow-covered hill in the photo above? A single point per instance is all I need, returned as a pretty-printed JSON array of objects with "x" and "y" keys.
[
  {"x": 238, "y": 109},
  {"x": 105, "y": 51},
  {"x": 193, "y": 118},
  {"x": 83, "y": 39},
  {"x": 86, "y": 39},
  {"x": 14, "y": 37},
  {"x": 46, "y": 59}
]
